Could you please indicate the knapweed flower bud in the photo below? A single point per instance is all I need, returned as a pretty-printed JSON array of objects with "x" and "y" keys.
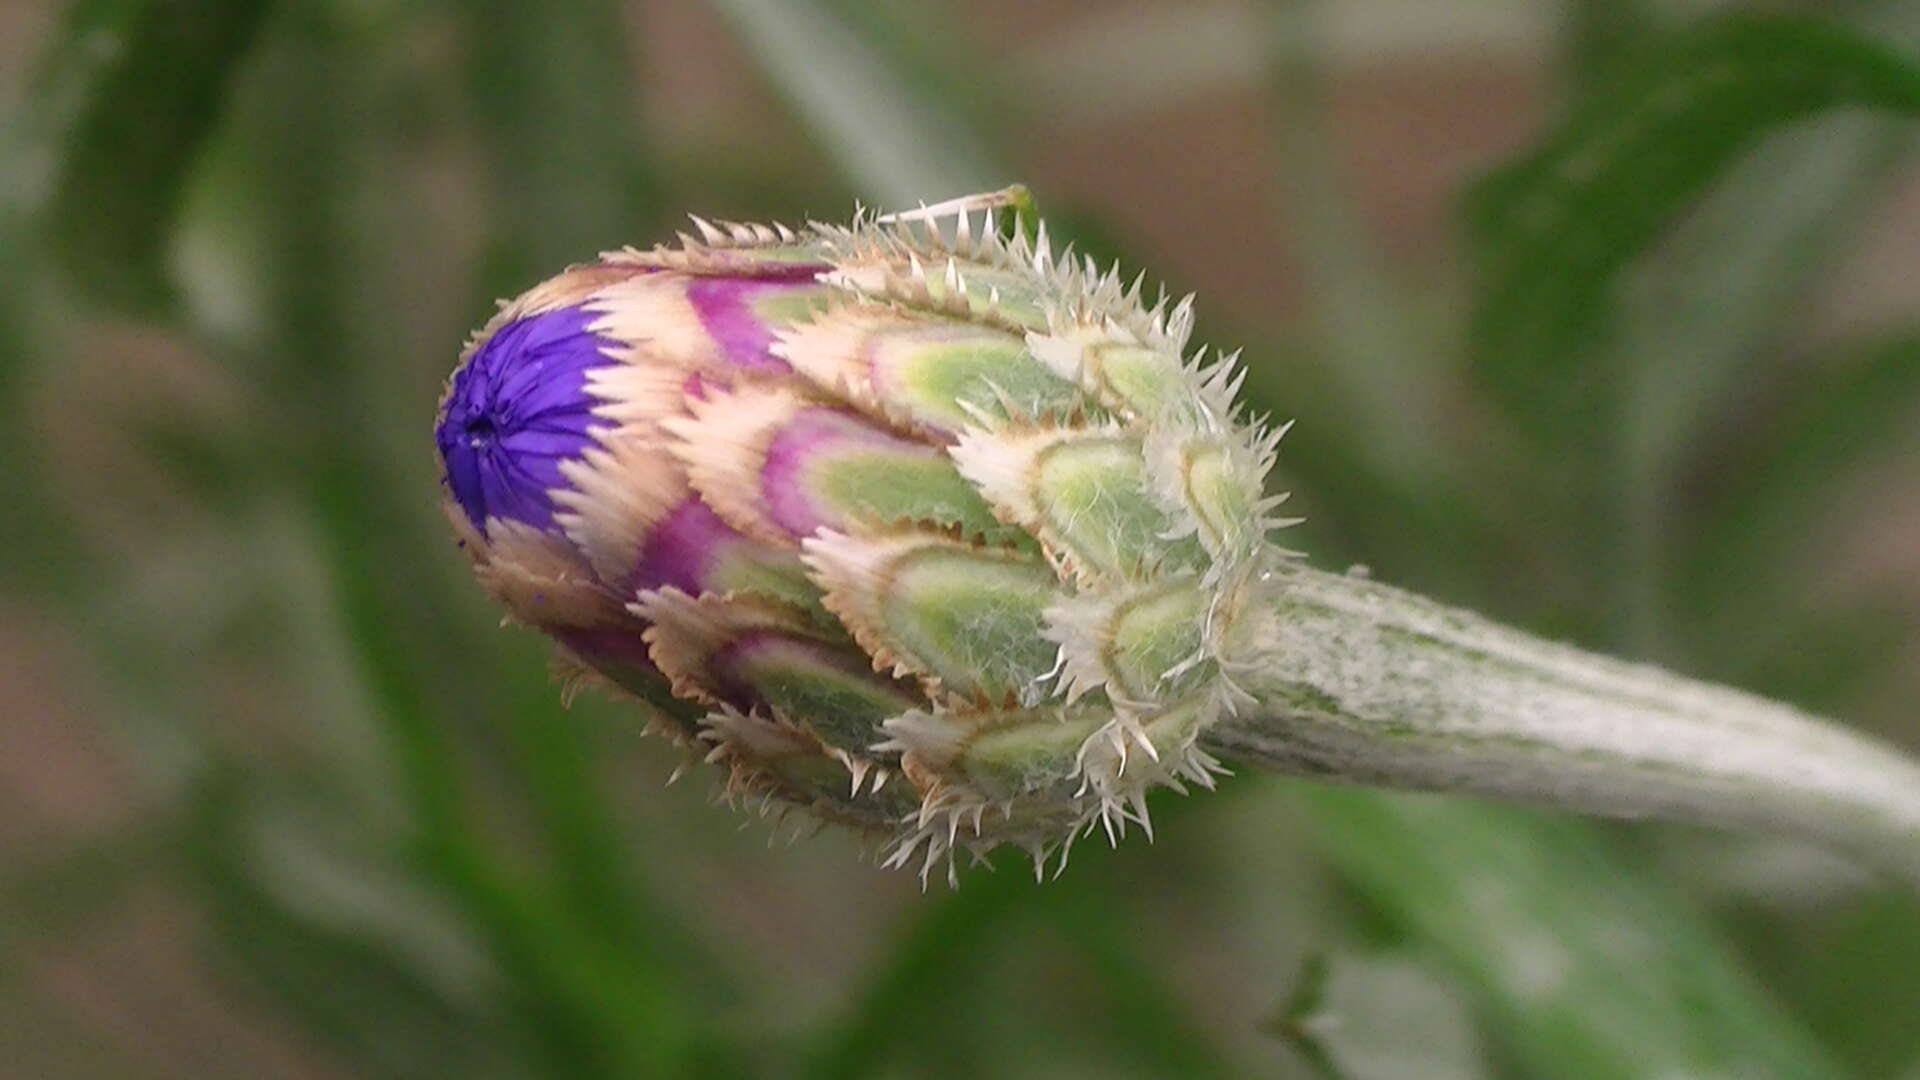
[
  {"x": 932, "y": 532},
  {"x": 914, "y": 525}
]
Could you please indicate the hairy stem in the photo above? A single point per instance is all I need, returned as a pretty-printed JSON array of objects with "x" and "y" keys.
[{"x": 1359, "y": 682}]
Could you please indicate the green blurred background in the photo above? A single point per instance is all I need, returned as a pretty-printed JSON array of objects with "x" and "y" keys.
[{"x": 1598, "y": 316}]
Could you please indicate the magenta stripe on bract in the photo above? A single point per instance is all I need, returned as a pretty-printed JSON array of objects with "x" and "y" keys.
[
  {"x": 682, "y": 548},
  {"x": 727, "y": 310},
  {"x": 606, "y": 643},
  {"x": 812, "y": 432}
]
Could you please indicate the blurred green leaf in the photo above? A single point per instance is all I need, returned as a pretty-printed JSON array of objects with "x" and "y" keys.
[
  {"x": 925, "y": 975},
  {"x": 896, "y": 145},
  {"x": 74, "y": 70},
  {"x": 1382, "y": 1016},
  {"x": 1598, "y": 33},
  {"x": 592, "y": 864},
  {"x": 1824, "y": 656},
  {"x": 926, "y": 45},
  {"x": 1828, "y": 422},
  {"x": 1847, "y": 966},
  {"x": 1553, "y": 230},
  {"x": 1583, "y": 970},
  {"x": 133, "y": 89},
  {"x": 92, "y": 163},
  {"x": 931, "y": 957},
  {"x": 1299, "y": 1017},
  {"x": 1700, "y": 314},
  {"x": 1375, "y": 367},
  {"x": 355, "y": 993},
  {"x": 1145, "y": 1017},
  {"x": 1388, "y": 364},
  {"x": 552, "y": 88}
]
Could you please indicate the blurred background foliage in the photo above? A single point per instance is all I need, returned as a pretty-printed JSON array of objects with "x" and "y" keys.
[{"x": 1598, "y": 315}]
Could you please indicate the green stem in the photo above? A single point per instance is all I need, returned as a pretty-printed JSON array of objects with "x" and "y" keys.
[{"x": 1363, "y": 683}]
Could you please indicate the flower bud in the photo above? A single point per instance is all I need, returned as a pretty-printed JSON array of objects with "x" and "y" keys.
[{"x": 920, "y": 528}]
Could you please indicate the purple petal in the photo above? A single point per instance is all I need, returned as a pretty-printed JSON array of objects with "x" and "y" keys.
[{"x": 517, "y": 410}]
